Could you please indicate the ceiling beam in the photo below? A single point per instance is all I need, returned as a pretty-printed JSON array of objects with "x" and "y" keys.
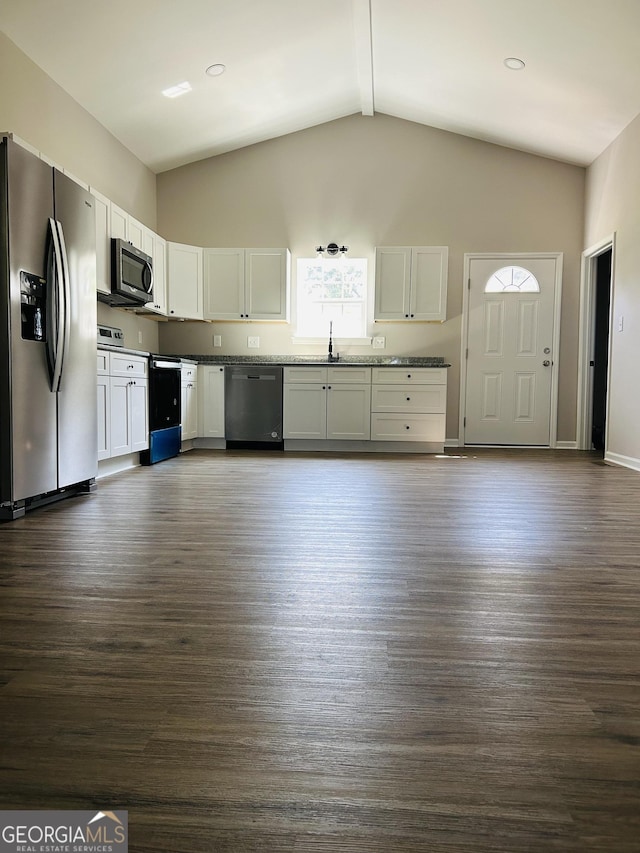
[{"x": 364, "y": 54}]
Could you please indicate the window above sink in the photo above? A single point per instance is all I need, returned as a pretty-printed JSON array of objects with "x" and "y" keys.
[{"x": 331, "y": 291}]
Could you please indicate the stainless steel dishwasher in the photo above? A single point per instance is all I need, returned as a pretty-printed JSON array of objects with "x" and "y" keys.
[{"x": 253, "y": 406}]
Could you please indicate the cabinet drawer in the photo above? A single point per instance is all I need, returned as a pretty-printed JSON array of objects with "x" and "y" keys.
[
  {"x": 305, "y": 374},
  {"x": 395, "y": 426},
  {"x": 103, "y": 362},
  {"x": 128, "y": 365},
  {"x": 188, "y": 372},
  {"x": 409, "y": 398},
  {"x": 412, "y": 375},
  {"x": 338, "y": 375}
]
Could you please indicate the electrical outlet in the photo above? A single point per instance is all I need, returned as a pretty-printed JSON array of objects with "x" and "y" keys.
[
  {"x": 139, "y": 337},
  {"x": 379, "y": 342},
  {"x": 217, "y": 340},
  {"x": 253, "y": 342}
]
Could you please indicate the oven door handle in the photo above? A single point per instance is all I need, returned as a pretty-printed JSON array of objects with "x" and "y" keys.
[{"x": 165, "y": 365}]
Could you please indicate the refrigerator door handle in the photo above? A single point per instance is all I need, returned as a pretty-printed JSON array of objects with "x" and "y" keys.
[
  {"x": 55, "y": 313},
  {"x": 66, "y": 298}
]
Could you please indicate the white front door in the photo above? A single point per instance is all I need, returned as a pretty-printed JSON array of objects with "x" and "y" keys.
[{"x": 510, "y": 341}]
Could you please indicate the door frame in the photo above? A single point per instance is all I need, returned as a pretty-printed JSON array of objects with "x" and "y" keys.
[
  {"x": 511, "y": 258},
  {"x": 586, "y": 340}
]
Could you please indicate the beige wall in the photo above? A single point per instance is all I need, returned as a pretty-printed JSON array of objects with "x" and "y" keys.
[
  {"x": 613, "y": 205},
  {"x": 371, "y": 182},
  {"x": 44, "y": 115}
]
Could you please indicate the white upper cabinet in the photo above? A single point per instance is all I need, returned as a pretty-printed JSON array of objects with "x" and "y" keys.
[
  {"x": 223, "y": 284},
  {"x": 135, "y": 232},
  {"x": 266, "y": 278},
  {"x": 118, "y": 222},
  {"x": 246, "y": 284},
  {"x": 123, "y": 226},
  {"x": 411, "y": 283},
  {"x": 156, "y": 247},
  {"x": 103, "y": 243},
  {"x": 184, "y": 281}
]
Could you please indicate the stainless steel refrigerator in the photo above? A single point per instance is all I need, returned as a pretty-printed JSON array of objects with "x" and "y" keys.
[{"x": 48, "y": 413}]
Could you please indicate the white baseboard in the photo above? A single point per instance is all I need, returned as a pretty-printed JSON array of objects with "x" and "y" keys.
[
  {"x": 623, "y": 461},
  {"x": 116, "y": 464},
  {"x": 452, "y": 442},
  {"x": 566, "y": 445}
]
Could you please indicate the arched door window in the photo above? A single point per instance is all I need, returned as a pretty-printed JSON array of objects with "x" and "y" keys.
[{"x": 512, "y": 280}]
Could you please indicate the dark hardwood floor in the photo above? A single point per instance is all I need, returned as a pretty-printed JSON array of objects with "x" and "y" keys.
[{"x": 342, "y": 654}]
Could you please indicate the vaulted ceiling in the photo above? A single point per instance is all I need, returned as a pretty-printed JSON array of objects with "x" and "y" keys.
[{"x": 292, "y": 64}]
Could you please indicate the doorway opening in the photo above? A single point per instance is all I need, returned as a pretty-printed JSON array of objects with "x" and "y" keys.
[
  {"x": 600, "y": 359},
  {"x": 595, "y": 331}
]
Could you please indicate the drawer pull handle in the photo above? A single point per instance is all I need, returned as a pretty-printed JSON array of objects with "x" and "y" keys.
[
  {"x": 408, "y": 399},
  {"x": 408, "y": 376},
  {"x": 407, "y": 426}
]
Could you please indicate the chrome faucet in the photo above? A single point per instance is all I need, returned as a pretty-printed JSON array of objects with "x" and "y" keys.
[{"x": 332, "y": 357}]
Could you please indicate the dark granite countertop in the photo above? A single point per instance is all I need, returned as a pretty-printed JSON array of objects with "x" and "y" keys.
[
  {"x": 312, "y": 360},
  {"x": 185, "y": 359},
  {"x": 292, "y": 360},
  {"x": 125, "y": 350}
]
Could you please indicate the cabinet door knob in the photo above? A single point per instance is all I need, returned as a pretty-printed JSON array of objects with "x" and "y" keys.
[
  {"x": 407, "y": 426},
  {"x": 408, "y": 399},
  {"x": 408, "y": 376}
]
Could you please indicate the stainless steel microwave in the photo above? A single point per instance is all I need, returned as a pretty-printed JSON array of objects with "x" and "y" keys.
[{"x": 131, "y": 274}]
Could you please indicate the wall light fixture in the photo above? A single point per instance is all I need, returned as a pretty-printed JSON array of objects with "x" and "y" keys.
[{"x": 332, "y": 249}]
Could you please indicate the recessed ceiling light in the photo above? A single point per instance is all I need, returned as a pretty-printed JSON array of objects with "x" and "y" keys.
[
  {"x": 513, "y": 63},
  {"x": 176, "y": 91},
  {"x": 216, "y": 70}
]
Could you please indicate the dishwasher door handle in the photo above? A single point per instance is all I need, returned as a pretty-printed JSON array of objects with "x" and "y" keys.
[{"x": 245, "y": 376}]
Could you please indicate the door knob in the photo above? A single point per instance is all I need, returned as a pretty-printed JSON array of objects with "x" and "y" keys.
[{"x": 546, "y": 362}]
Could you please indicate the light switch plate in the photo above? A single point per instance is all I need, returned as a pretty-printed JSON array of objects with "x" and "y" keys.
[
  {"x": 217, "y": 340},
  {"x": 253, "y": 342}
]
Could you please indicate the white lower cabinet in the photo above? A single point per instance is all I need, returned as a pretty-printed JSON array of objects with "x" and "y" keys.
[
  {"x": 123, "y": 407},
  {"x": 326, "y": 403},
  {"x": 104, "y": 414},
  {"x": 210, "y": 401},
  {"x": 189, "y": 401},
  {"x": 409, "y": 404},
  {"x": 128, "y": 415}
]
